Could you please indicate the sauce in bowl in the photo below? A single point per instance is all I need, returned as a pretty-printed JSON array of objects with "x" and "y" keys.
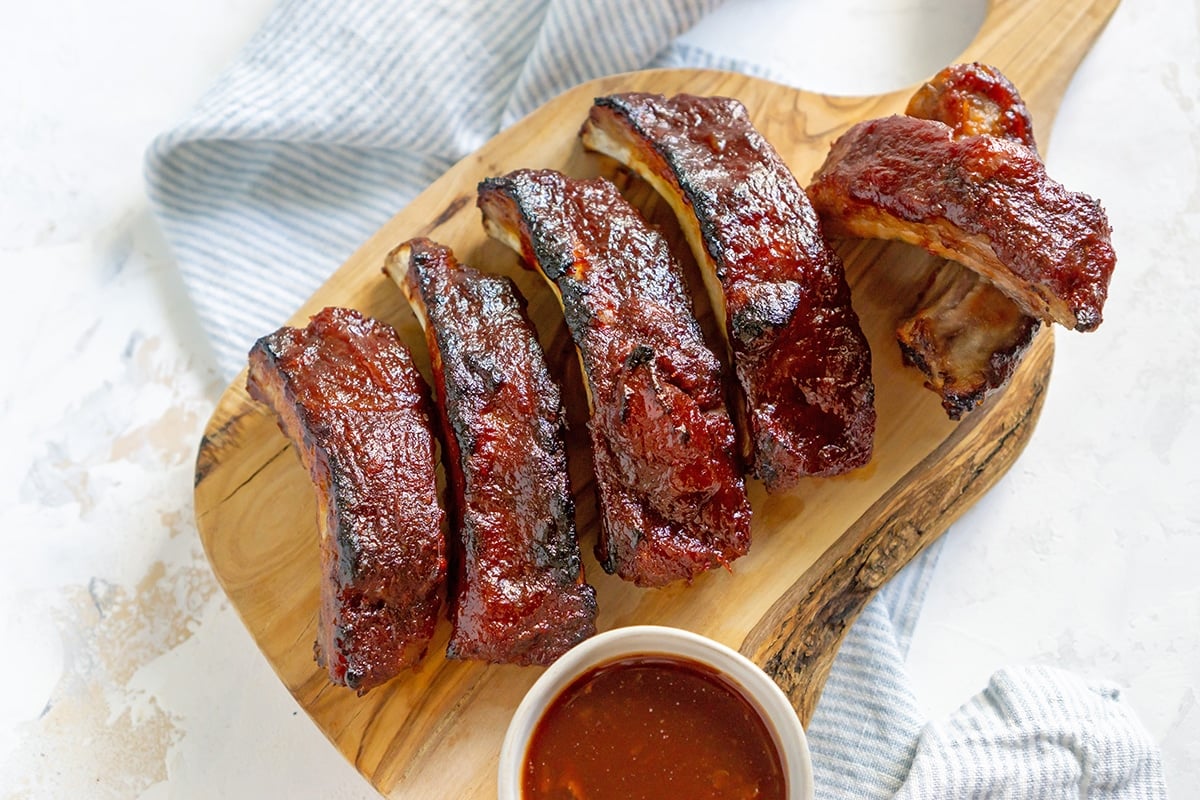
[{"x": 652, "y": 727}]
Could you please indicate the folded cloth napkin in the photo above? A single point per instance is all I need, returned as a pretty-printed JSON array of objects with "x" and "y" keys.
[{"x": 339, "y": 112}]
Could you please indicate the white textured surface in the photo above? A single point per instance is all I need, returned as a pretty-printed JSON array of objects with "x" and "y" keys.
[{"x": 128, "y": 675}]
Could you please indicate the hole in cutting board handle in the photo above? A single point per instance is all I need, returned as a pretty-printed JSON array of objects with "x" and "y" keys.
[{"x": 850, "y": 48}]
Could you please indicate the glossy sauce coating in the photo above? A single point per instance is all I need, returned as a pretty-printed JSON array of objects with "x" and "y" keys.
[
  {"x": 983, "y": 201},
  {"x": 966, "y": 335},
  {"x": 802, "y": 361},
  {"x": 652, "y": 728},
  {"x": 346, "y": 393},
  {"x": 519, "y": 594},
  {"x": 974, "y": 99},
  {"x": 673, "y": 502}
]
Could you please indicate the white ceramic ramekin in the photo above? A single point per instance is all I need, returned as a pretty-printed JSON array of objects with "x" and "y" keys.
[{"x": 757, "y": 686}]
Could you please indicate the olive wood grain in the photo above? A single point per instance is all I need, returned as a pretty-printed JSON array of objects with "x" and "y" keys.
[{"x": 819, "y": 552}]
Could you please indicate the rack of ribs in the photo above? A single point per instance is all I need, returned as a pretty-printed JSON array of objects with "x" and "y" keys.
[
  {"x": 802, "y": 362},
  {"x": 518, "y": 593},
  {"x": 346, "y": 393},
  {"x": 672, "y": 499}
]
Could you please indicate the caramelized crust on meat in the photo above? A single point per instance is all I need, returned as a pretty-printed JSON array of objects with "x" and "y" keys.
[
  {"x": 519, "y": 595},
  {"x": 673, "y": 502},
  {"x": 347, "y": 395},
  {"x": 802, "y": 362},
  {"x": 983, "y": 201},
  {"x": 974, "y": 99},
  {"x": 965, "y": 334}
]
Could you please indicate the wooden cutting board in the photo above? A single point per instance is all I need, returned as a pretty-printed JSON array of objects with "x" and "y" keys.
[{"x": 820, "y": 552}]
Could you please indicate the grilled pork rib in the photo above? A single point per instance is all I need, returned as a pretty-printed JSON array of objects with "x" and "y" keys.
[
  {"x": 983, "y": 201},
  {"x": 347, "y": 395},
  {"x": 780, "y": 292},
  {"x": 974, "y": 100},
  {"x": 965, "y": 334},
  {"x": 672, "y": 499},
  {"x": 519, "y": 595}
]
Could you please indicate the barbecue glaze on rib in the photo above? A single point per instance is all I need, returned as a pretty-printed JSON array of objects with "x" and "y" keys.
[
  {"x": 780, "y": 292},
  {"x": 983, "y": 201},
  {"x": 974, "y": 100},
  {"x": 518, "y": 594},
  {"x": 672, "y": 499},
  {"x": 347, "y": 395},
  {"x": 965, "y": 334}
]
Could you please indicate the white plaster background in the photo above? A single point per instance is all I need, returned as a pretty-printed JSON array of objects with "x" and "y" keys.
[{"x": 125, "y": 673}]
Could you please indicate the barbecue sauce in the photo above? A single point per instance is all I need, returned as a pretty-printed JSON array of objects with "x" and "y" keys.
[{"x": 652, "y": 727}]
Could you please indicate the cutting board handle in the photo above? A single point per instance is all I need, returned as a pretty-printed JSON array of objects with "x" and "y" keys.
[{"x": 1039, "y": 44}]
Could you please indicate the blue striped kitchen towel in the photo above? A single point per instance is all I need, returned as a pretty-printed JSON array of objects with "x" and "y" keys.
[{"x": 338, "y": 112}]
